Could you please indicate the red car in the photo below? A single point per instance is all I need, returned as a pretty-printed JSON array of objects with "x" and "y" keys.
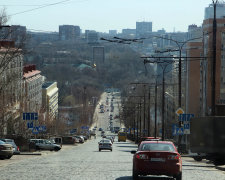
[{"x": 157, "y": 158}]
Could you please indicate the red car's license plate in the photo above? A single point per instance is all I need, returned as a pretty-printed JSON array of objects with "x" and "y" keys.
[{"x": 158, "y": 159}]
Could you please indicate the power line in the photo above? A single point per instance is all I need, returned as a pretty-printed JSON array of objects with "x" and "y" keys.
[{"x": 43, "y": 6}]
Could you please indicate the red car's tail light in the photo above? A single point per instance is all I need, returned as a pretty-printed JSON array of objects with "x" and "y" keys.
[
  {"x": 18, "y": 149},
  {"x": 100, "y": 144},
  {"x": 173, "y": 157},
  {"x": 141, "y": 156}
]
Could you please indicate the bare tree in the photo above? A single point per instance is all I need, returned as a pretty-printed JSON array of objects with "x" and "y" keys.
[{"x": 11, "y": 74}]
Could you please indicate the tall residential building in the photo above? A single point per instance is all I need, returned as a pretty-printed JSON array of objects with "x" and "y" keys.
[
  {"x": 50, "y": 99},
  {"x": 143, "y": 28},
  {"x": 206, "y": 65},
  {"x": 33, "y": 81},
  {"x": 193, "y": 83},
  {"x": 98, "y": 54},
  {"x": 14, "y": 33},
  {"x": 194, "y": 32},
  {"x": 112, "y": 32},
  {"x": 128, "y": 32},
  {"x": 92, "y": 37},
  {"x": 11, "y": 89},
  {"x": 69, "y": 32},
  {"x": 220, "y": 11}
]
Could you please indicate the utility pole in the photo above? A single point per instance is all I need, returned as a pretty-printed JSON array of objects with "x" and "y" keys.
[
  {"x": 149, "y": 109},
  {"x": 140, "y": 120},
  {"x": 213, "y": 64},
  {"x": 156, "y": 109},
  {"x": 144, "y": 110}
]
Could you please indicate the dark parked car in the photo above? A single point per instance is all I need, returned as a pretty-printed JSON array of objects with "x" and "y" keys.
[
  {"x": 68, "y": 140},
  {"x": 16, "y": 149},
  {"x": 6, "y": 150},
  {"x": 157, "y": 158}
]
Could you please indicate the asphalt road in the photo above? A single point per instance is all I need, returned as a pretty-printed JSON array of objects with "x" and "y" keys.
[{"x": 85, "y": 162}]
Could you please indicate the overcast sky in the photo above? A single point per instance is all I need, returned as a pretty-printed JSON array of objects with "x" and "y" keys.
[{"x": 104, "y": 15}]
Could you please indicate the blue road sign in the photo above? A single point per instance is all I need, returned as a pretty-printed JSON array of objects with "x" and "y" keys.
[
  {"x": 30, "y": 116},
  {"x": 185, "y": 117},
  {"x": 30, "y": 125},
  {"x": 176, "y": 130},
  {"x": 73, "y": 131},
  {"x": 35, "y": 130},
  {"x": 41, "y": 128},
  {"x": 180, "y": 131}
]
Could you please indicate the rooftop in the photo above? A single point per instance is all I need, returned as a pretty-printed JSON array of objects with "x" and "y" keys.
[{"x": 47, "y": 84}]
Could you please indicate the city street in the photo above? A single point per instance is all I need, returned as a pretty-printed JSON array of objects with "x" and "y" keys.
[{"x": 85, "y": 162}]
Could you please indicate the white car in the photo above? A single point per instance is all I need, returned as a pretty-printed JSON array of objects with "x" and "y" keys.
[
  {"x": 105, "y": 144},
  {"x": 44, "y": 144}
]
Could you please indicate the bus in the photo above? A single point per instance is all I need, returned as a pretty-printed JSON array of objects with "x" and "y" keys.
[{"x": 122, "y": 136}]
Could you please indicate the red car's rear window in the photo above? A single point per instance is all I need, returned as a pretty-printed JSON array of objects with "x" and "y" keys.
[{"x": 156, "y": 147}]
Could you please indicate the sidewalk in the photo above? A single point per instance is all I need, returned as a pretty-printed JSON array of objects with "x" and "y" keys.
[{"x": 222, "y": 168}]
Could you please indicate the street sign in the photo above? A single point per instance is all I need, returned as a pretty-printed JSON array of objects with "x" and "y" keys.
[
  {"x": 179, "y": 111},
  {"x": 30, "y": 116},
  {"x": 42, "y": 128},
  {"x": 186, "y": 127},
  {"x": 176, "y": 130},
  {"x": 73, "y": 131},
  {"x": 185, "y": 117},
  {"x": 180, "y": 131},
  {"x": 30, "y": 125},
  {"x": 35, "y": 130}
]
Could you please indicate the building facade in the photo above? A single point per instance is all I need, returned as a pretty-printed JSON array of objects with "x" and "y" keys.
[
  {"x": 11, "y": 89},
  {"x": 33, "y": 81},
  {"x": 220, "y": 11},
  {"x": 92, "y": 37},
  {"x": 69, "y": 32},
  {"x": 143, "y": 28},
  {"x": 193, "y": 90},
  {"x": 206, "y": 65},
  {"x": 50, "y": 99}
]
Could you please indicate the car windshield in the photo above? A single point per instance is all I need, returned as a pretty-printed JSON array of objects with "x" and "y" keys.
[
  {"x": 105, "y": 141},
  {"x": 2, "y": 142},
  {"x": 156, "y": 147}
]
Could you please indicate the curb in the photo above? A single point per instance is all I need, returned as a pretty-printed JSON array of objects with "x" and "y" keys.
[{"x": 35, "y": 154}]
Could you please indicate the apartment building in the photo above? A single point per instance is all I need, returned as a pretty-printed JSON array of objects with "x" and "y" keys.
[
  {"x": 206, "y": 65},
  {"x": 50, "y": 99},
  {"x": 33, "y": 81},
  {"x": 11, "y": 91}
]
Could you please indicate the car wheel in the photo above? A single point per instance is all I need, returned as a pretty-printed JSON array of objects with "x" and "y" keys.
[
  {"x": 2, "y": 157},
  {"x": 178, "y": 177},
  {"x": 8, "y": 157},
  {"x": 56, "y": 149},
  {"x": 99, "y": 150},
  {"x": 198, "y": 158},
  {"x": 134, "y": 175}
]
